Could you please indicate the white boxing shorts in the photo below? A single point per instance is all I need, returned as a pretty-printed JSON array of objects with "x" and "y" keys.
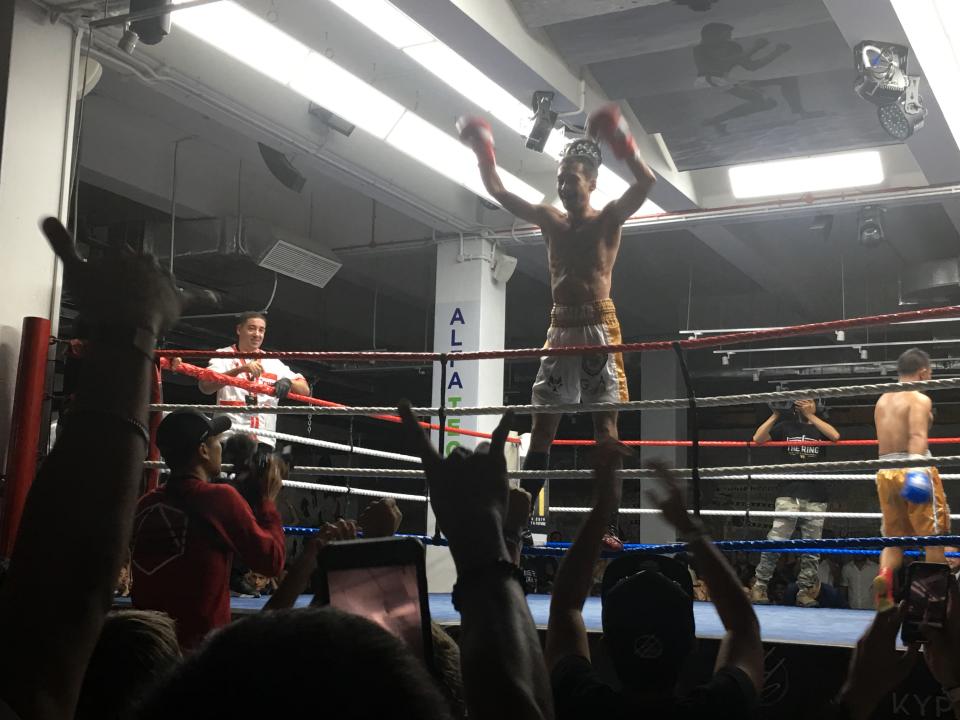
[{"x": 598, "y": 377}]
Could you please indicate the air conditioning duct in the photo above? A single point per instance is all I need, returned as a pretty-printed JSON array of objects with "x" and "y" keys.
[
  {"x": 268, "y": 246},
  {"x": 936, "y": 281}
]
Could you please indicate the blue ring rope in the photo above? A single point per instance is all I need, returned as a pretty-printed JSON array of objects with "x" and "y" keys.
[{"x": 826, "y": 546}]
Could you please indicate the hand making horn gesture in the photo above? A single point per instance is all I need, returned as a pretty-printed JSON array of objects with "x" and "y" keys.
[{"x": 120, "y": 291}]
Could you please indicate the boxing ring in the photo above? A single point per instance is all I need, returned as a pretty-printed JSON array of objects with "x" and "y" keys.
[
  {"x": 312, "y": 477},
  {"x": 778, "y": 623}
]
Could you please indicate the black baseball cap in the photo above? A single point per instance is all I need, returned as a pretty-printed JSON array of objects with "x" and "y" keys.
[
  {"x": 629, "y": 564},
  {"x": 182, "y": 431},
  {"x": 647, "y": 616}
]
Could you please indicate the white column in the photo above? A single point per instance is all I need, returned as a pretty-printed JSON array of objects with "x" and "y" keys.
[
  {"x": 660, "y": 379},
  {"x": 37, "y": 90},
  {"x": 469, "y": 315}
]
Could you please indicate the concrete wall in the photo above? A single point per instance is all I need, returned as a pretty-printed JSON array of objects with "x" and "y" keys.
[{"x": 36, "y": 139}]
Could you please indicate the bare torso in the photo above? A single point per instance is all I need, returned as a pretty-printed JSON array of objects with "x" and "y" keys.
[
  {"x": 581, "y": 256},
  {"x": 892, "y": 418}
]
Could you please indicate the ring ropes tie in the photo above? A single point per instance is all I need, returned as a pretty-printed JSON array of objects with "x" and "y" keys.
[{"x": 693, "y": 429}]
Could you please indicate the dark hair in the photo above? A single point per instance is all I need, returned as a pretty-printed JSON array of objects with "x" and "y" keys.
[
  {"x": 178, "y": 460},
  {"x": 239, "y": 449},
  {"x": 912, "y": 361},
  {"x": 649, "y": 631},
  {"x": 134, "y": 649},
  {"x": 715, "y": 31},
  {"x": 250, "y": 315},
  {"x": 278, "y": 664},
  {"x": 585, "y": 152}
]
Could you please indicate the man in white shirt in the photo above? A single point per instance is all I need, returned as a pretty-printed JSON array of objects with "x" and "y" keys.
[
  {"x": 858, "y": 575},
  {"x": 251, "y": 330}
]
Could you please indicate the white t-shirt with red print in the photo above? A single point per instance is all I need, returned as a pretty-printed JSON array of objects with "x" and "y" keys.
[{"x": 273, "y": 370}]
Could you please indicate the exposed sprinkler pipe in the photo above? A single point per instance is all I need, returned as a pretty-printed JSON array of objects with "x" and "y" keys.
[
  {"x": 173, "y": 197},
  {"x": 164, "y": 9},
  {"x": 582, "y": 103}
]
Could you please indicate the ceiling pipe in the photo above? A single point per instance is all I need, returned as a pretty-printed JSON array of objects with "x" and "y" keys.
[
  {"x": 775, "y": 210},
  {"x": 691, "y": 218},
  {"x": 165, "y": 9}
]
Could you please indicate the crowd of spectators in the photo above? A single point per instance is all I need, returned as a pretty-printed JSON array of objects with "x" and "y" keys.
[{"x": 66, "y": 655}]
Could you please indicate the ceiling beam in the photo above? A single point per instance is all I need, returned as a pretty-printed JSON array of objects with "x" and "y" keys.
[{"x": 933, "y": 145}]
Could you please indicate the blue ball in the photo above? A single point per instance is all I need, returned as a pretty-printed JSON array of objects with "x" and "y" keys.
[{"x": 917, "y": 488}]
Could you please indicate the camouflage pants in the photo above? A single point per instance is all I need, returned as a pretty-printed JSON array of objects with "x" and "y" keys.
[{"x": 783, "y": 528}]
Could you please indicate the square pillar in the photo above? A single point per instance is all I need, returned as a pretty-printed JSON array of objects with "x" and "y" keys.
[{"x": 469, "y": 315}]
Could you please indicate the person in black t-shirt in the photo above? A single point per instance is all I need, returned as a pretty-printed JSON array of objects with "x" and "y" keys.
[
  {"x": 799, "y": 425},
  {"x": 648, "y": 622}
]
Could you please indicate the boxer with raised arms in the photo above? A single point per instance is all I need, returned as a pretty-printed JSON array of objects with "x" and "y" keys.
[{"x": 582, "y": 245}]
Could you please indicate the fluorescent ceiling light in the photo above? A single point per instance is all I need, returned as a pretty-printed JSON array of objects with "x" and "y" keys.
[
  {"x": 811, "y": 174},
  {"x": 933, "y": 29},
  {"x": 401, "y": 31},
  {"x": 416, "y": 137},
  {"x": 258, "y": 44},
  {"x": 387, "y": 21},
  {"x": 329, "y": 85},
  {"x": 245, "y": 37},
  {"x": 459, "y": 74}
]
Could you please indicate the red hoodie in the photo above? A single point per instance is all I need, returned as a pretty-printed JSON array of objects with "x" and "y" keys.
[{"x": 184, "y": 539}]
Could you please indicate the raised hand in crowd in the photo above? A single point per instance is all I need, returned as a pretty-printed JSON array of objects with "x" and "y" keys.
[
  {"x": 57, "y": 592},
  {"x": 741, "y": 647},
  {"x": 381, "y": 518},
  {"x": 876, "y": 667},
  {"x": 566, "y": 632},
  {"x": 503, "y": 669},
  {"x": 942, "y": 650},
  {"x": 297, "y": 579}
]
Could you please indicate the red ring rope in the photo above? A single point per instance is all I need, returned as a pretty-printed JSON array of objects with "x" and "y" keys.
[
  {"x": 213, "y": 376},
  {"x": 750, "y": 443},
  {"x": 689, "y": 343}
]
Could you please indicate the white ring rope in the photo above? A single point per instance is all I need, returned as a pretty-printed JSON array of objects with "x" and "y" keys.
[
  {"x": 366, "y": 492},
  {"x": 667, "y": 404},
  {"x": 756, "y": 471},
  {"x": 814, "y": 476},
  {"x": 334, "y": 446},
  {"x": 743, "y": 513}
]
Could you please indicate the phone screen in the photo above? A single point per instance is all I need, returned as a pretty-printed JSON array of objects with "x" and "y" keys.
[
  {"x": 926, "y": 599},
  {"x": 387, "y": 595}
]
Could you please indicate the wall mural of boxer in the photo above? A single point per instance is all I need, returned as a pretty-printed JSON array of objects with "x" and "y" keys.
[{"x": 723, "y": 81}]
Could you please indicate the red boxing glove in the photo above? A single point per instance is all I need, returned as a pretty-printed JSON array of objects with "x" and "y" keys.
[
  {"x": 608, "y": 125},
  {"x": 476, "y": 134}
]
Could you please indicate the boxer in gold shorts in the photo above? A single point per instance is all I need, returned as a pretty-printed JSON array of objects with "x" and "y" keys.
[{"x": 903, "y": 420}]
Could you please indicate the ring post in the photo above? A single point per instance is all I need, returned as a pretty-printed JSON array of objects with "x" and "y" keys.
[
  {"x": 694, "y": 425},
  {"x": 156, "y": 397},
  {"x": 22, "y": 454}
]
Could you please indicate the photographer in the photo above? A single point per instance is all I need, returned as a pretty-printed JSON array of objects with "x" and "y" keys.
[{"x": 797, "y": 424}]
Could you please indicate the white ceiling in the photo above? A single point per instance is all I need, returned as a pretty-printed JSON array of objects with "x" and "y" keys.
[{"x": 185, "y": 89}]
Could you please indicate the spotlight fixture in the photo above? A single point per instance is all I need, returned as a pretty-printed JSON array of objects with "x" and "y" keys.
[
  {"x": 331, "y": 120},
  {"x": 883, "y": 80},
  {"x": 503, "y": 266},
  {"x": 153, "y": 29},
  {"x": 544, "y": 120},
  {"x": 870, "y": 228},
  {"x": 904, "y": 117},
  {"x": 128, "y": 42}
]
